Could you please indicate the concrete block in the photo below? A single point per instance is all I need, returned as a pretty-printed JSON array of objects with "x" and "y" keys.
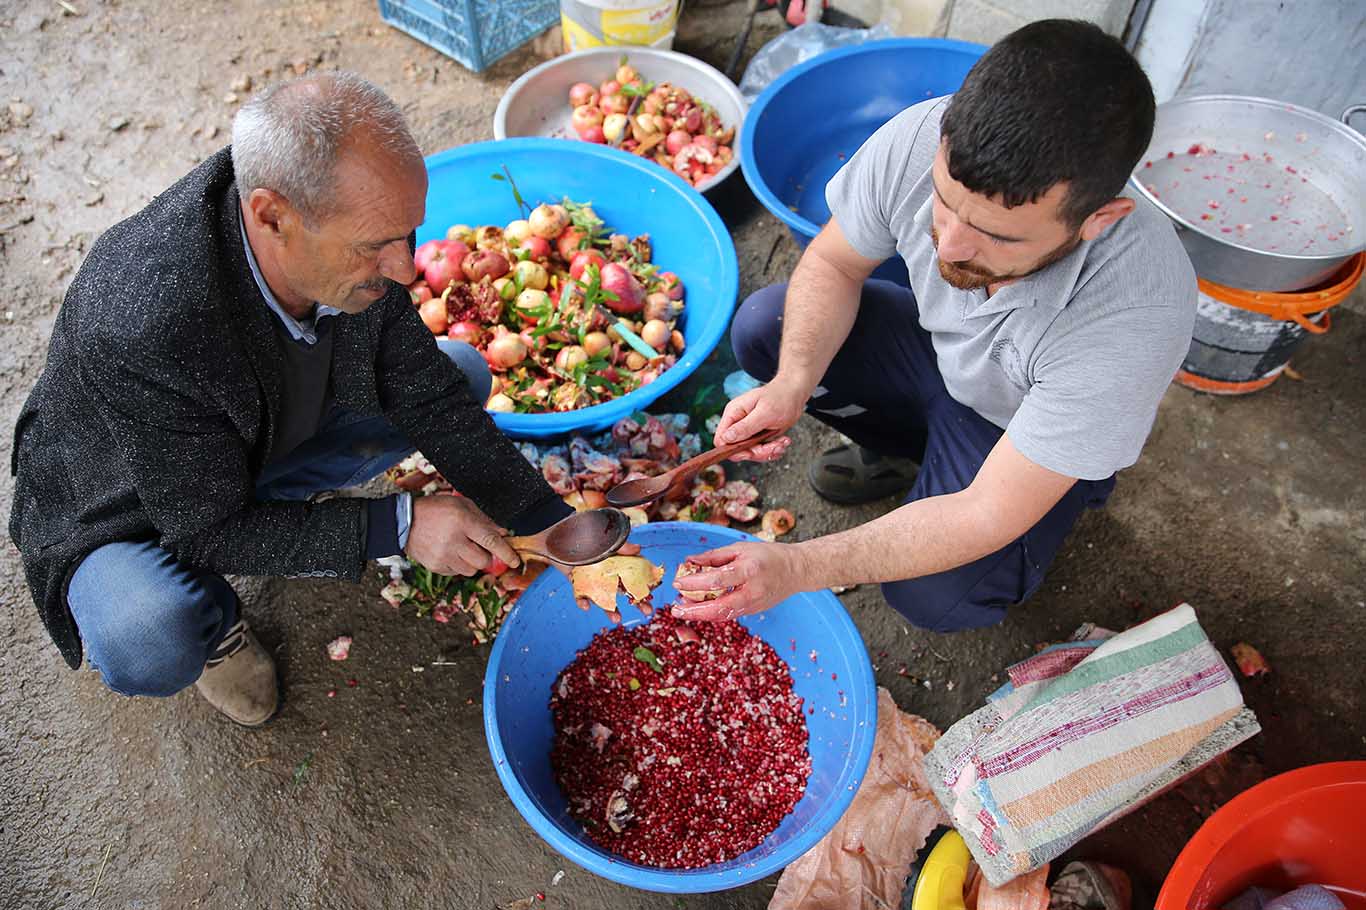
[
  {"x": 982, "y": 22},
  {"x": 986, "y": 21}
]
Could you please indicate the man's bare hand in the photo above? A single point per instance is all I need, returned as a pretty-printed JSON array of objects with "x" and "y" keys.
[
  {"x": 451, "y": 536},
  {"x": 776, "y": 406},
  {"x": 755, "y": 576}
]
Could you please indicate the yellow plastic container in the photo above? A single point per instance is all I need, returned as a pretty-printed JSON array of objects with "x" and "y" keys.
[
  {"x": 594, "y": 23},
  {"x": 943, "y": 876}
]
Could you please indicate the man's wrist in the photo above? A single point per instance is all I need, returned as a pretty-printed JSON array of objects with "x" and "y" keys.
[
  {"x": 800, "y": 380},
  {"x": 803, "y": 565}
]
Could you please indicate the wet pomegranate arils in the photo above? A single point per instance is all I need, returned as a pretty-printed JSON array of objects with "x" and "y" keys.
[{"x": 679, "y": 751}]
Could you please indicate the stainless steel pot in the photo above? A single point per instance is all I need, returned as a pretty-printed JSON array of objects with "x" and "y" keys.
[{"x": 1265, "y": 195}]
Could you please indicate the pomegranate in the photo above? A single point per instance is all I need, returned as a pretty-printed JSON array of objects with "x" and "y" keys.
[
  {"x": 548, "y": 221},
  {"x": 596, "y": 342},
  {"x": 676, "y": 341},
  {"x": 692, "y": 568},
  {"x": 489, "y": 237},
  {"x": 517, "y": 232},
  {"x": 614, "y": 104},
  {"x": 537, "y": 248},
  {"x": 706, "y": 142},
  {"x": 481, "y": 264},
  {"x": 593, "y": 134},
  {"x": 618, "y": 280},
  {"x": 570, "y": 241},
  {"x": 635, "y": 361},
  {"x": 610, "y": 87},
  {"x": 585, "y": 118},
  {"x": 500, "y": 404},
  {"x": 532, "y": 274},
  {"x": 627, "y": 74},
  {"x": 670, "y": 284},
  {"x": 655, "y": 333},
  {"x": 420, "y": 293},
  {"x": 581, "y": 93},
  {"x": 570, "y": 357},
  {"x": 530, "y": 300},
  {"x": 658, "y": 306},
  {"x": 462, "y": 232},
  {"x": 443, "y": 266},
  {"x": 676, "y": 140},
  {"x": 614, "y": 127},
  {"x": 424, "y": 253},
  {"x": 505, "y": 350},
  {"x": 469, "y": 332},
  {"x": 433, "y": 313},
  {"x": 582, "y": 260}
]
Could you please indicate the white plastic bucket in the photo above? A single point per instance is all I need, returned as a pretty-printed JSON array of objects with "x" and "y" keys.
[{"x": 640, "y": 23}]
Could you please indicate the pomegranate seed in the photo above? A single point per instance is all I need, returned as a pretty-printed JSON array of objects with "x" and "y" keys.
[{"x": 698, "y": 764}]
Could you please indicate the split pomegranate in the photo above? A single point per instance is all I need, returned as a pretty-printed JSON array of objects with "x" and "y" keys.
[
  {"x": 659, "y": 121},
  {"x": 542, "y": 299},
  {"x": 679, "y": 745}
]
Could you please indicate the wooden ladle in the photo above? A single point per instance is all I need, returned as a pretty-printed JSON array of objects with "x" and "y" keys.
[
  {"x": 648, "y": 489},
  {"x": 578, "y": 540}
]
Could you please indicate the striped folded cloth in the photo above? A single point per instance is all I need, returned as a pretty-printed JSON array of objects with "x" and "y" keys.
[{"x": 1083, "y": 733}]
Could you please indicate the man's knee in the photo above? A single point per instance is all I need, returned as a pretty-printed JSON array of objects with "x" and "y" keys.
[
  {"x": 472, "y": 364},
  {"x": 146, "y": 626},
  {"x": 756, "y": 331},
  {"x": 931, "y": 604}
]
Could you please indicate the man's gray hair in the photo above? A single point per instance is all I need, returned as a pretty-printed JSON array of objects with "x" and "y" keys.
[{"x": 288, "y": 137}]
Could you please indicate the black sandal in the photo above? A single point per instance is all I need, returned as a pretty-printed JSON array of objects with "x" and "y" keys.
[{"x": 851, "y": 475}]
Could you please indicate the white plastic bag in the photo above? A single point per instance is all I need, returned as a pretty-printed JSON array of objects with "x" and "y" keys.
[{"x": 798, "y": 45}]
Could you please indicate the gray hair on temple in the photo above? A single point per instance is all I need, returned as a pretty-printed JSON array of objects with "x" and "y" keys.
[{"x": 288, "y": 137}]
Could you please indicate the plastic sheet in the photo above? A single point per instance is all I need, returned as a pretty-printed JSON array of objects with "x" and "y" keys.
[
  {"x": 870, "y": 851},
  {"x": 800, "y": 44}
]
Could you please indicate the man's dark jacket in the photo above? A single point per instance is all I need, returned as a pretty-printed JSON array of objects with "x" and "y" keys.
[{"x": 156, "y": 409}]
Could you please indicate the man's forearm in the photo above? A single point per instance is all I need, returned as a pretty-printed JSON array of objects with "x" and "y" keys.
[
  {"x": 822, "y": 303},
  {"x": 920, "y": 538}
]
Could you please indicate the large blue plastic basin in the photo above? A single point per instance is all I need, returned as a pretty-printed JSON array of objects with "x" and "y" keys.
[
  {"x": 812, "y": 119},
  {"x": 546, "y": 630},
  {"x": 632, "y": 196}
]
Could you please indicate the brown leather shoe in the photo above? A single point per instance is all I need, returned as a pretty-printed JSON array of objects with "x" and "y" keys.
[{"x": 239, "y": 679}]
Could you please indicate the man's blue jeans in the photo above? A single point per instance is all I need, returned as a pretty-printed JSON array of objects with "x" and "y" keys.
[
  {"x": 884, "y": 391},
  {"x": 149, "y": 622}
]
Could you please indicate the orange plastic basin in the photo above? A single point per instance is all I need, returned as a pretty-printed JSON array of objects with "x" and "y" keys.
[{"x": 1307, "y": 826}]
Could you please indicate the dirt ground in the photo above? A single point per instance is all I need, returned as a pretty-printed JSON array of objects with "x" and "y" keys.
[{"x": 1251, "y": 509}]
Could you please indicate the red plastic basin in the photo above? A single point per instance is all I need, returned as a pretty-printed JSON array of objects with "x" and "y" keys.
[{"x": 1307, "y": 826}]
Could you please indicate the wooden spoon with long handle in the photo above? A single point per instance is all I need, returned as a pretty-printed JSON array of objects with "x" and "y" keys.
[{"x": 648, "y": 489}]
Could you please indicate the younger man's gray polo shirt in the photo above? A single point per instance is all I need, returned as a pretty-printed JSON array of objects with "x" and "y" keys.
[{"x": 1071, "y": 361}]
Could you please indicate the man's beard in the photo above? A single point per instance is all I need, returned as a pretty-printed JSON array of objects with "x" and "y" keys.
[{"x": 969, "y": 278}]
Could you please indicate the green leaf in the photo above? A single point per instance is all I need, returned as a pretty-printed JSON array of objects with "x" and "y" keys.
[
  {"x": 497, "y": 177},
  {"x": 646, "y": 656},
  {"x": 302, "y": 768}
]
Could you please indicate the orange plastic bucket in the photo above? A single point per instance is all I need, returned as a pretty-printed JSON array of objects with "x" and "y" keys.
[
  {"x": 1243, "y": 339},
  {"x": 1307, "y": 826}
]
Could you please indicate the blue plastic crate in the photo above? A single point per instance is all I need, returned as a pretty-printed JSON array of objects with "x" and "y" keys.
[{"x": 474, "y": 32}]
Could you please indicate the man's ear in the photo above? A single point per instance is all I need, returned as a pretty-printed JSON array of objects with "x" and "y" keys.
[
  {"x": 271, "y": 213},
  {"x": 1105, "y": 216}
]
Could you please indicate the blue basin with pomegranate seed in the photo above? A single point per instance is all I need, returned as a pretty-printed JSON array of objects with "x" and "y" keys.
[
  {"x": 812, "y": 118},
  {"x": 633, "y": 196},
  {"x": 812, "y": 632}
]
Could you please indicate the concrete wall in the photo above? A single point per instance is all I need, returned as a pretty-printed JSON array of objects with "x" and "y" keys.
[
  {"x": 1309, "y": 52},
  {"x": 986, "y": 21}
]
